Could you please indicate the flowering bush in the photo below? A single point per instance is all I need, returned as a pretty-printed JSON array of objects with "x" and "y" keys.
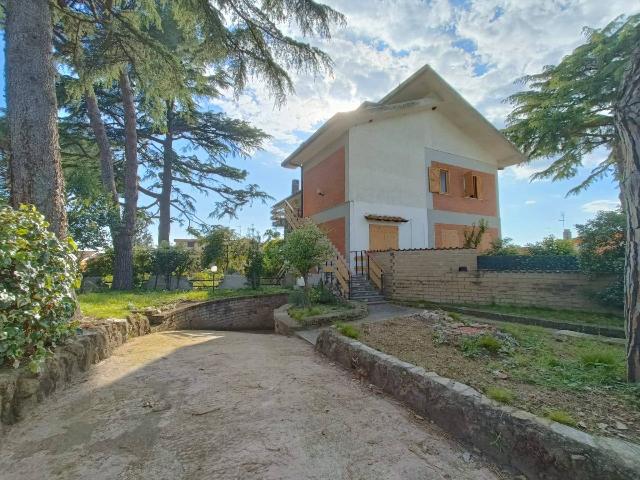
[{"x": 38, "y": 274}]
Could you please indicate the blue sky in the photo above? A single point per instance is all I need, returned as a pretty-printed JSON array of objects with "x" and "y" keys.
[{"x": 479, "y": 47}]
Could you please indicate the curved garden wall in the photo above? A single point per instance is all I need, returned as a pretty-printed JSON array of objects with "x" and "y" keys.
[{"x": 245, "y": 313}]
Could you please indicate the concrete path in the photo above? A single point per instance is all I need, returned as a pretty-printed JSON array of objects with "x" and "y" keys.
[
  {"x": 377, "y": 313},
  {"x": 227, "y": 405}
]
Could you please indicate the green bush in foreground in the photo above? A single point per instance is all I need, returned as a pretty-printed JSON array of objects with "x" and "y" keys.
[{"x": 38, "y": 274}]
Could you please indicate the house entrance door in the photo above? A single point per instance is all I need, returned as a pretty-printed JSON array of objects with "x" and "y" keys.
[{"x": 383, "y": 237}]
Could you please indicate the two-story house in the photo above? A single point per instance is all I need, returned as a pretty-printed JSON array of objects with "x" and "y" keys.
[{"x": 413, "y": 170}]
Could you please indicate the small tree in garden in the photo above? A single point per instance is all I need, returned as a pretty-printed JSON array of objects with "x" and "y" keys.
[
  {"x": 273, "y": 257},
  {"x": 169, "y": 261},
  {"x": 38, "y": 274},
  {"x": 473, "y": 236},
  {"x": 602, "y": 243},
  {"x": 305, "y": 248},
  {"x": 254, "y": 266}
]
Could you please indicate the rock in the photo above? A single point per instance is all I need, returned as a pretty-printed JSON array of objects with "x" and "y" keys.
[
  {"x": 582, "y": 425},
  {"x": 500, "y": 375},
  {"x": 621, "y": 426},
  {"x": 602, "y": 426},
  {"x": 466, "y": 456},
  {"x": 578, "y": 458}
]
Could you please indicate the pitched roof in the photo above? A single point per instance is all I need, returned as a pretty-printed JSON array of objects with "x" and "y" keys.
[{"x": 423, "y": 90}]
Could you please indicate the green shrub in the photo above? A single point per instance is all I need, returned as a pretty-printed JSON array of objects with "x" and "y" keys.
[
  {"x": 298, "y": 298},
  {"x": 347, "y": 330},
  {"x": 489, "y": 343},
  {"x": 501, "y": 395},
  {"x": 602, "y": 247},
  {"x": 38, "y": 274},
  {"x": 561, "y": 416},
  {"x": 473, "y": 346},
  {"x": 599, "y": 358},
  {"x": 321, "y": 294}
]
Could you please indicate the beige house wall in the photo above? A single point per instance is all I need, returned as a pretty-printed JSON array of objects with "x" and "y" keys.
[{"x": 436, "y": 276}]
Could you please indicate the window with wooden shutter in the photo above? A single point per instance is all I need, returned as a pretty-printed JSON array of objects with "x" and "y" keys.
[
  {"x": 468, "y": 184},
  {"x": 472, "y": 185},
  {"x": 478, "y": 180},
  {"x": 434, "y": 179}
]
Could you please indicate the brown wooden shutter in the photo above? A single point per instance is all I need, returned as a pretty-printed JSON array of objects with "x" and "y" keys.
[
  {"x": 478, "y": 186},
  {"x": 434, "y": 179},
  {"x": 468, "y": 184}
]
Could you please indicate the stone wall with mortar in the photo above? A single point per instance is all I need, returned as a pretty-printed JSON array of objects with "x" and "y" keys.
[
  {"x": 247, "y": 313},
  {"x": 537, "y": 447},
  {"x": 451, "y": 276},
  {"x": 20, "y": 389}
]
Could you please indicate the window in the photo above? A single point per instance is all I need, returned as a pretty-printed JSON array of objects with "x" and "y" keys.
[
  {"x": 444, "y": 181},
  {"x": 472, "y": 185},
  {"x": 191, "y": 244}
]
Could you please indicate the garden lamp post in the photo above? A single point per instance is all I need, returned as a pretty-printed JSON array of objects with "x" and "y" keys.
[{"x": 214, "y": 269}]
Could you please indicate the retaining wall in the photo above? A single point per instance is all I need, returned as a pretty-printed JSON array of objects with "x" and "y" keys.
[
  {"x": 21, "y": 390},
  {"x": 537, "y": 447},
  {"x": 451, "y": 276},
  {"x": 247, "y": 313}
]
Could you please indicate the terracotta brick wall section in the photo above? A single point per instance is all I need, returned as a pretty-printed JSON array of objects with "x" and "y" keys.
[
  {"x": 323, "y": 184},
  {"x": 254, "y": 313},
  {"x": 452, "y": 236},
  {"x": 455, "y": 201},
  {"x": 335, "y": 230},
  {"x": 434, "y": 275}
]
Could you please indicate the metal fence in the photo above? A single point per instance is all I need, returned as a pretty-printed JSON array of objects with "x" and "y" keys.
[{"x": 540, "y": 263}]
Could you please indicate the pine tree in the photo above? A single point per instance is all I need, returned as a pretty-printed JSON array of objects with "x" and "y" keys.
[
  {"x": 35, "y": 169},
  {"x": 587, "y": 101}
]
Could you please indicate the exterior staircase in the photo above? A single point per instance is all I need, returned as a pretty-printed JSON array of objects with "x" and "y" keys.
[
  {"x": 365, "y": 288},
  {"x": 362, "y": 290}
]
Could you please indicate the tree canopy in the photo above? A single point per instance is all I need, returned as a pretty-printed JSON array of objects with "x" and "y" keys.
[{"x": 566, "y": 111}]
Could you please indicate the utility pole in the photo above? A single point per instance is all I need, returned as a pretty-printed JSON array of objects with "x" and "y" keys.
[{"x": 562, "y": 219}]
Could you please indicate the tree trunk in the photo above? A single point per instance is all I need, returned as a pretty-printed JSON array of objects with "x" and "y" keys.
[
  {"x": 32, "y": 112},
  {"x": 164, "y": 225},
  {"x": 627, "y": 121},
  {"x": 104, "y": 146},
  {"x": 123, "y": 246}
]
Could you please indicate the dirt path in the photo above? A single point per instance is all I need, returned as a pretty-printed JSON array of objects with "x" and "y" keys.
[{"x": 226, "y": 405}]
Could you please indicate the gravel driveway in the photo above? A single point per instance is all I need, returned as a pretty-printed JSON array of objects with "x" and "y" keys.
[{"x": 227, "y": 405}]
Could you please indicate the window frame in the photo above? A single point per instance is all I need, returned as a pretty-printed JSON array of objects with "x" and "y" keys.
[{"x": 447, "y": 182}]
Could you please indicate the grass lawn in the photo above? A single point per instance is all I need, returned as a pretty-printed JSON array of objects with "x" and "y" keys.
[
  {"x": 119, "y": 304},
  {"x": 300, "y": 313},
  {"x": 573, "y": 316},
  {"x": 579, "y": 382}
]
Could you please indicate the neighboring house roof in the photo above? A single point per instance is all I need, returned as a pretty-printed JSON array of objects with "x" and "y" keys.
[{"x": 424, "y": 90}]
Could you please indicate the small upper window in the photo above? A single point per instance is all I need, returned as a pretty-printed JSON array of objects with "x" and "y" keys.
[
  {"x": 472, "y": 185},
  {"x": 191, "y": 244},
  {"x": 444, "y": 181}
]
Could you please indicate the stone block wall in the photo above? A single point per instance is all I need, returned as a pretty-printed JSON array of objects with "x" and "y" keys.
[
  {"x": 20, "y": 389},
  {"x": 253, "y": 313},
  {"x": 451, "y": 276}
]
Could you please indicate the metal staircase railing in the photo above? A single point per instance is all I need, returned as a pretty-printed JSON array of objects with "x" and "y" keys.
[{"x": 337, "y": 264}]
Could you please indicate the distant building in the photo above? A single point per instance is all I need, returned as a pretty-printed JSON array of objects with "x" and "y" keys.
[{"x": 189, "y": 243}]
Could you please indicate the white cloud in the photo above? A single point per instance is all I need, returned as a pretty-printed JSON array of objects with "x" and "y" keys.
[
  {"x": 387, "y": 40},
  {"x": 530, "y": 202},
  {"x": 596, "y": 206}
]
